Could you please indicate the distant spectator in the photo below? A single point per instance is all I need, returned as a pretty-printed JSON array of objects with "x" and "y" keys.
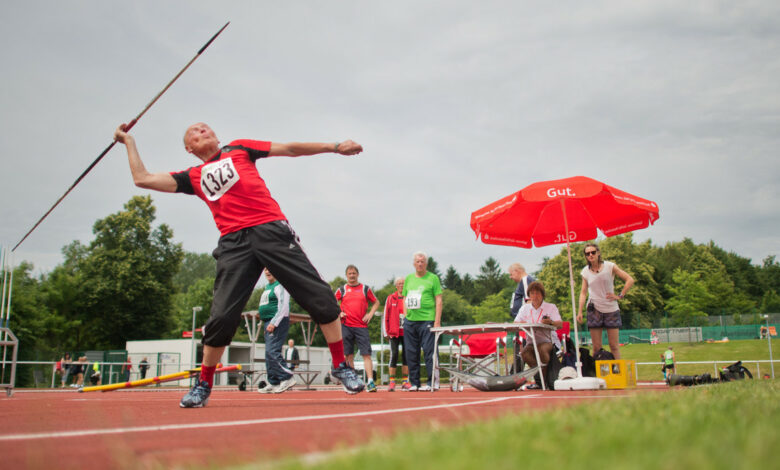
[
  {"x": 669, "y": 362},
  {"x": 77, "y": 370},
  {"x": 523, "y": 280},
  {"x": 422, "y": 306},
  {"x": 95, "y": 378},
  {"x": 291, "y": 355},
  {"x": 354, "y": 299},
  {"x": 603, "y": 311},
  {"x": 539, "y": 311},
  {"x": 143, "y": 366},
  {"x": 274, "y": 311},
  {"x": 127, "y": 367},
  {"x": 393, "y": 330},
  {"x": 63, "y": 369}
]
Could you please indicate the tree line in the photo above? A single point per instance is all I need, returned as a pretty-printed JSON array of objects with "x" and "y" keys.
[{"x": 134, "y": 282}]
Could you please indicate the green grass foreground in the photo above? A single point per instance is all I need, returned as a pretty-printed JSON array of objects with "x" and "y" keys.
[{"x": 721, "y": 426}]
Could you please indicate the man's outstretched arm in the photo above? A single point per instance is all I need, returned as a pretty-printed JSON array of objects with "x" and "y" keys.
[
  {"x": 141, "y": 177},
  {"x": 298, "y": 149}
]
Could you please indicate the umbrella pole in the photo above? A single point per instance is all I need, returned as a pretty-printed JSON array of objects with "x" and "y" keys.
[{"x": 571, "y": 290}]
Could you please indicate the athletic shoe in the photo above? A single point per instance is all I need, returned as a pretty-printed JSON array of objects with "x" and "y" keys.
[
  {"x": 197, "y": 397},
  {"x": 391, "y": 387},
  {"x": 424, "y": 388},
  {"x": 406, "y": 387},
  {"x": 533, "y": 386},
  {"x": 348, "y": 378},
  {"x": 371, "y": 387},
  {"x": 269, "y": 388},
  {"x": 285, "y": 385},
  {"x": 413, "y": 388}
]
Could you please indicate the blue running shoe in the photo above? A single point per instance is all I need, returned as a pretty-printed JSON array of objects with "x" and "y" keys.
[
  {"x": 348, "y": 378},
  {"x": 197, "y": 397},
  {"x": 371, "y": 387}
]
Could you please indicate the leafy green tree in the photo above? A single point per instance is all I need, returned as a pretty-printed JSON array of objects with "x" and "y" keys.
[
  {"x": 770, "y": 302},
  {"x": 127, "y": 277},
  {"x": 199, "y": 294},
  {"x": 433, "y": 267},
  {"x": 493, "y": 308},
  {"x": 451, "y": 279},
  {"x": 490, "y": 279},
  {"x": 689, "y": 294},
  {"x": 468, "y": 289},
  {"x": 194, "y": 266},
  {"x": 455, "y": 309}
]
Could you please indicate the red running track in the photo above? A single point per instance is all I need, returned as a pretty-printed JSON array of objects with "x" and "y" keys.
[{"x": 147, "y": 429}]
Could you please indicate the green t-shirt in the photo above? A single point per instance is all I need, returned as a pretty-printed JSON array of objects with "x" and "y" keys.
[
  {"x": 269, "y": 303},
  {"x": 420, "y": 296}
]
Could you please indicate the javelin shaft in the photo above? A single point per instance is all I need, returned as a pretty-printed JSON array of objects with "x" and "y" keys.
[
  {"x": 185, "y": 374},
  {"x": 127, "y": 128}
]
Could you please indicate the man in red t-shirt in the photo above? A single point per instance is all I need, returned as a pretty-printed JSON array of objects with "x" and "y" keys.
[
  {"x": 254, "y": 235},
  {"x": 354, "y": 298}
]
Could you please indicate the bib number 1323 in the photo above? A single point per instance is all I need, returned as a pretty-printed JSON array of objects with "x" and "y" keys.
[{"x": 216, "y": 178}]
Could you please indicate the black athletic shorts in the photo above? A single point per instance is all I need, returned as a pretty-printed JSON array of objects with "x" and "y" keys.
[{"x": 241, "y": 257}]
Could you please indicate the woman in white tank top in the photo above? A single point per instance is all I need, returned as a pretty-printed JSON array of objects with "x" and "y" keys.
[{"x": 603, "y": 311}]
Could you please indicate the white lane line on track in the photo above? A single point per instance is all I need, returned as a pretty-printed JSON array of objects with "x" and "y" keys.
[{"x": 175, "y": 427}]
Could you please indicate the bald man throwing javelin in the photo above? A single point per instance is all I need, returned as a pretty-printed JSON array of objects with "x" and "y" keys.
[{"x": 254, "y": 234}]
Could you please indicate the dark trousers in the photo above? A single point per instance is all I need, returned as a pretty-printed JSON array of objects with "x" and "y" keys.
[
  {"x": 241, "y": 257},
  {"x": 417, "y": 335},
  {"x": 274, "y": 362}
]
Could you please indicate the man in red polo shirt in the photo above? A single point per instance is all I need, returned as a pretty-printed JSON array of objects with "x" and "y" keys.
[
  {"x": 354, "y": 298},
  {"x": 255, "y": 235}
]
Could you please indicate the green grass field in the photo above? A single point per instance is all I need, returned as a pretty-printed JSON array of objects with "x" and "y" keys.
[
  {"x": 744, "y": 350},
  {"x": 720, "y": 426}
]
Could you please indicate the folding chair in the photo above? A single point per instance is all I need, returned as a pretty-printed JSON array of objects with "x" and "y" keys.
[{"x": 479, "y": 353}]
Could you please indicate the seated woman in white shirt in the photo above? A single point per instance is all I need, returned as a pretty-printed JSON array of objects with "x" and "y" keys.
[{"x": 539, "y": 311}]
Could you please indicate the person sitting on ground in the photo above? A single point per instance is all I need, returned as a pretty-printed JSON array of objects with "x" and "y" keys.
[{"x": 539, "y": 311}]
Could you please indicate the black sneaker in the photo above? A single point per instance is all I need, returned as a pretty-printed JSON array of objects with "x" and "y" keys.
[
  {"x": 197, "y": 397},
  {"x": 348, "y": 378}
]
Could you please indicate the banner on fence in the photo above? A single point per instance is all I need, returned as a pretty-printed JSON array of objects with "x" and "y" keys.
[{"x": 679, "y": 335}]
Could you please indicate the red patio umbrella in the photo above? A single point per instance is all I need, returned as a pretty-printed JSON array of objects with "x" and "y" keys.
[{"x": 562, "y": 211}]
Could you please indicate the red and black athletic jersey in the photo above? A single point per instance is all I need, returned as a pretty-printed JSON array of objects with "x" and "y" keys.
[
  {"x": 231, "y": 186},
  {"x": 354, "y": 302}
]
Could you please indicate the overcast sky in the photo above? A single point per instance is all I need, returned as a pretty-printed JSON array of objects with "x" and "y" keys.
[{"x": 457, "y": 103}]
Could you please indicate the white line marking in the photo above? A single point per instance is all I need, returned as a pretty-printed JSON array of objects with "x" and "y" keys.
[{"x": 174, "y": 427}]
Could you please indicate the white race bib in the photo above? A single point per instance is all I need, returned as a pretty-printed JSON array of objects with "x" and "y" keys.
[
  {"x": 265, "y": 297},
  {"x": 216, "y": 178},
  {"x": 413, "y": 300}
]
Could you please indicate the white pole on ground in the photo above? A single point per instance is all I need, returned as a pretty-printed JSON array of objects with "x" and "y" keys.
[{"x": 194, "y": 357}]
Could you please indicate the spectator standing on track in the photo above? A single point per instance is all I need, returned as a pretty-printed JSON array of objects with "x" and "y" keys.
[
  {"x": 291, "y": 355},
  {"x": 254, "y": 234},
  {"x": 354, "y": 298},
  {"x": 598, "y": 283},
  {"x": 393, "y": 330},
  {"x": 95, "y": 378},
  {"x": 127, "y": 367},
  {"x": 275, "y": 313},
  {"x": 536, "y": 310},
  {"x": 64, "y": 369},
  {"x": 523, "y": 280},
  {"x": 77, "y": 370},
  {"x": 422, "y": 306},
  {"x": 669, "y": 362},
  {"x": 143, "y": 366}
]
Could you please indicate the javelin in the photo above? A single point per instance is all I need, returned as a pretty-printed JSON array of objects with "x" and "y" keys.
[
  {"x": 185, "y": 374},
  {"x": 127, "y": 128}
]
